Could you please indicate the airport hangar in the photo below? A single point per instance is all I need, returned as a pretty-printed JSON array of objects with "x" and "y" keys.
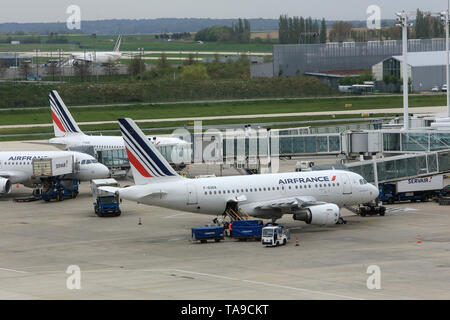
[
  {"x": 331, "y": 61},
  {"x": 426, "y": 69}
]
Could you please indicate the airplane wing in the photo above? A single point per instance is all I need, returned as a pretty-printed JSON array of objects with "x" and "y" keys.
[
  {"x": 13, "y": 176},
  {"x": 289, "y": 203},
  {"x": 61, "y": 146}
]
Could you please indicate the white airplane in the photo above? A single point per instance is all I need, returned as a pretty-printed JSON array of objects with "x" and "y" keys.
[
  {"x": 97, "y": 57},
  {"x": 68, "y": 134},
  {"x": 16, "y": 167},
  {"x": 313, "y": 197}
]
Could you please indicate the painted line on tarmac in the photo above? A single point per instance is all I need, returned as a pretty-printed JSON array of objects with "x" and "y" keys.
[
  {"x": 12, "y": 270},
  {"x": 269, "y": 284}
]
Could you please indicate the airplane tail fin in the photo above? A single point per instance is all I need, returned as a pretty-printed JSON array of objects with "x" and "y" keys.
[
  {"x": 63, "y": 122},
  {"x": 147, "y": 163},
  {"x": 117, "y": 46}
]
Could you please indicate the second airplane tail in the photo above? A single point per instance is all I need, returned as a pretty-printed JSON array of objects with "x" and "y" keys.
[
  {"x": 63, "y": 122},
  {"x": 147, "y": 163},
  {"x": 117, "y": 46}
]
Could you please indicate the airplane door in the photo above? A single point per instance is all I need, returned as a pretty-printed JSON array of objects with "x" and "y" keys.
[
  {"x": 192, "y": 194},
  {"x": 346, "y": 184}
]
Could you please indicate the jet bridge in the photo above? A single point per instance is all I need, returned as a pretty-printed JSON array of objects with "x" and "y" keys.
[{"x": 396, "y": 168}]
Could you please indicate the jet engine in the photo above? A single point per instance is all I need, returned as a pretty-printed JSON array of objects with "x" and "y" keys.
[
  {"x": 5, "y": 186},
  {"x": 322, "y": 215}
]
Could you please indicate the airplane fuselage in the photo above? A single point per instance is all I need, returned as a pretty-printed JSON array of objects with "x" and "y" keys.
[
  {"x": 19, "y": 165},
  {"x": 211, "y": 195},
  {"x": 108, "y": 142}
]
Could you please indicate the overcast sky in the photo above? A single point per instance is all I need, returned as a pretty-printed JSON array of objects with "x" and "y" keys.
[{"x": 55, "y": 10}]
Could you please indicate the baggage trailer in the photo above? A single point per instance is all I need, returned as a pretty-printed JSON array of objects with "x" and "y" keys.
[
  {"x": 106, "y": 204},
  {"x": 203, "y": 234},
  {"x": 56, "y": 177},
  {"x": 244, "y": 230},
  {"x": 414, "y": 189}
]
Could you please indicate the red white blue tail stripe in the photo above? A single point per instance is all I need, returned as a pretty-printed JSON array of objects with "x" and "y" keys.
[
  {"x": 117, "y": 46},
  {"x": 145, "y": 159},
  {"x": 63, "y": 121}
]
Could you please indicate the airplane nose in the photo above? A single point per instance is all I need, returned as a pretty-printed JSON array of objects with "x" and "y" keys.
[
  {"x": 374, "y": 191},
  {"x": 103, "y": 171}
]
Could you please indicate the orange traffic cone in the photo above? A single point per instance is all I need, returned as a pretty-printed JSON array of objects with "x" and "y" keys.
[
  {"x": 140, "y": 222},
  {"x": 418, "y": 240},
  {"x": 296, "y": 242}
]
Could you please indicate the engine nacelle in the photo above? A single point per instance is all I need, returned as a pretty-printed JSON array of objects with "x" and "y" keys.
[
  {"x": 322, "y": 215},
  {"x": 5, "y": 186}
]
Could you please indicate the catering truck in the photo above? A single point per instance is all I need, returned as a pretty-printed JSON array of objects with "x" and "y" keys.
[
  {"x": 54, "y": 175},
  {"x": 105, "y": 204},
  {"x": 414, "y": 189}
]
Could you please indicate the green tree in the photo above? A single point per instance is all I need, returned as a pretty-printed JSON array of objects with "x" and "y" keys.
[
  {"x": 162, "y": 63},
  {"x": 136, "y": 66},
  {"x": 25, "y": 68},
  {"x": 194, "y": 72}
]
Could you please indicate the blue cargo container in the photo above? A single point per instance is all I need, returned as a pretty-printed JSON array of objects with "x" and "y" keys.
[
  {"x": 203, "y": 234},
  {"x": 247, "y": 229}
]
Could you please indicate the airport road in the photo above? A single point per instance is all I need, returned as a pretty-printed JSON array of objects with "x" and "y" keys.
[
  {"x": 429, "y": 110},
  {"x": 120, "y": 259}
]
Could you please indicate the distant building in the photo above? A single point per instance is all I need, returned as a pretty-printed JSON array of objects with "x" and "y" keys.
[
  {"x": 12, "y": 59},
  {"x": 426, "y": 69},
  {"x": 297, "y": 59},
  {"x": 226, "y": 58}
]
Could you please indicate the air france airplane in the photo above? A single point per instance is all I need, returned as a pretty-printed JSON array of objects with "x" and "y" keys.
[
  {"x": 17, "y": 167},
  {"x": 68, "y": 134},
  {"x": 313, "y": 197},
  {"x": 98, "y": 57}
]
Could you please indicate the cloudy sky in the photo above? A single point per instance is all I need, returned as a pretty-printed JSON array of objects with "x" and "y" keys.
[{"x": 55, "y": 10}]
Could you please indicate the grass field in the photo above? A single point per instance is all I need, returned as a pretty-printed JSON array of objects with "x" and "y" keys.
[
  {"x": 130, "y": 43},
  {"x": 155, "y": 111},
  {"x": 166, "y": 127}
]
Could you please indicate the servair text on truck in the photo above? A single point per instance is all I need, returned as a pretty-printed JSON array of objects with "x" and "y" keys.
[
  {"x": 52, "y": 167},
  {"x": 413, "y": 189}
]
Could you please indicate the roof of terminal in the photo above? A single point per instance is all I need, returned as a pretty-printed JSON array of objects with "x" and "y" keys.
[{"x": 425, "y": 59}]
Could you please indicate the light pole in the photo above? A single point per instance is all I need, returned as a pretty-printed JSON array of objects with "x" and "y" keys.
[
  {"x": 402, "y": 21},
  {"x": 445, "y": 20}
]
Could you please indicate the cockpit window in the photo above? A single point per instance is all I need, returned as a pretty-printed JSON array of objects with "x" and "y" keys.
[{"x": 83, "y": 162}]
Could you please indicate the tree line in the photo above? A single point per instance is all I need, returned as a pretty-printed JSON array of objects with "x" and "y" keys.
[
  {"x": 239, "y": 32},
  {"x": 300, "y": 30}
]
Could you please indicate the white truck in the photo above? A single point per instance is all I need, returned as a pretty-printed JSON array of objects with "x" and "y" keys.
[
  {"x": 53, "y": 167},
  {"x": 274, "y": 236},
  {"x": 414, "y": 189},
  {"x": 105, "y": 204}
]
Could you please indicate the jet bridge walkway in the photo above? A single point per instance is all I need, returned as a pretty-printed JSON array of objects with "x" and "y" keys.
[{"x": 402, "y": 167}]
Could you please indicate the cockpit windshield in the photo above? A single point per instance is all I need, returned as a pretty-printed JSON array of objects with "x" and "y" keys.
[{"x": 88, "y": 162}]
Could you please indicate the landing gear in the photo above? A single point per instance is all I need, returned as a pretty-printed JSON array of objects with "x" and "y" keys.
[
  {"x": 341, "y": 221},
  {"x": 372, "y": 209}
]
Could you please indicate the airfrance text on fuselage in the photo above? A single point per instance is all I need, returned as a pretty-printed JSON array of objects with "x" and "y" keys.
[{"x": 306, "y": 180}]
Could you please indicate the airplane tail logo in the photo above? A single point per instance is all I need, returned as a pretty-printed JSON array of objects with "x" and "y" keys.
[
  {"x": 117, "y": 46},
  {"x": 63, "y": 122},
  {"x": 146, "y": 161}
]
